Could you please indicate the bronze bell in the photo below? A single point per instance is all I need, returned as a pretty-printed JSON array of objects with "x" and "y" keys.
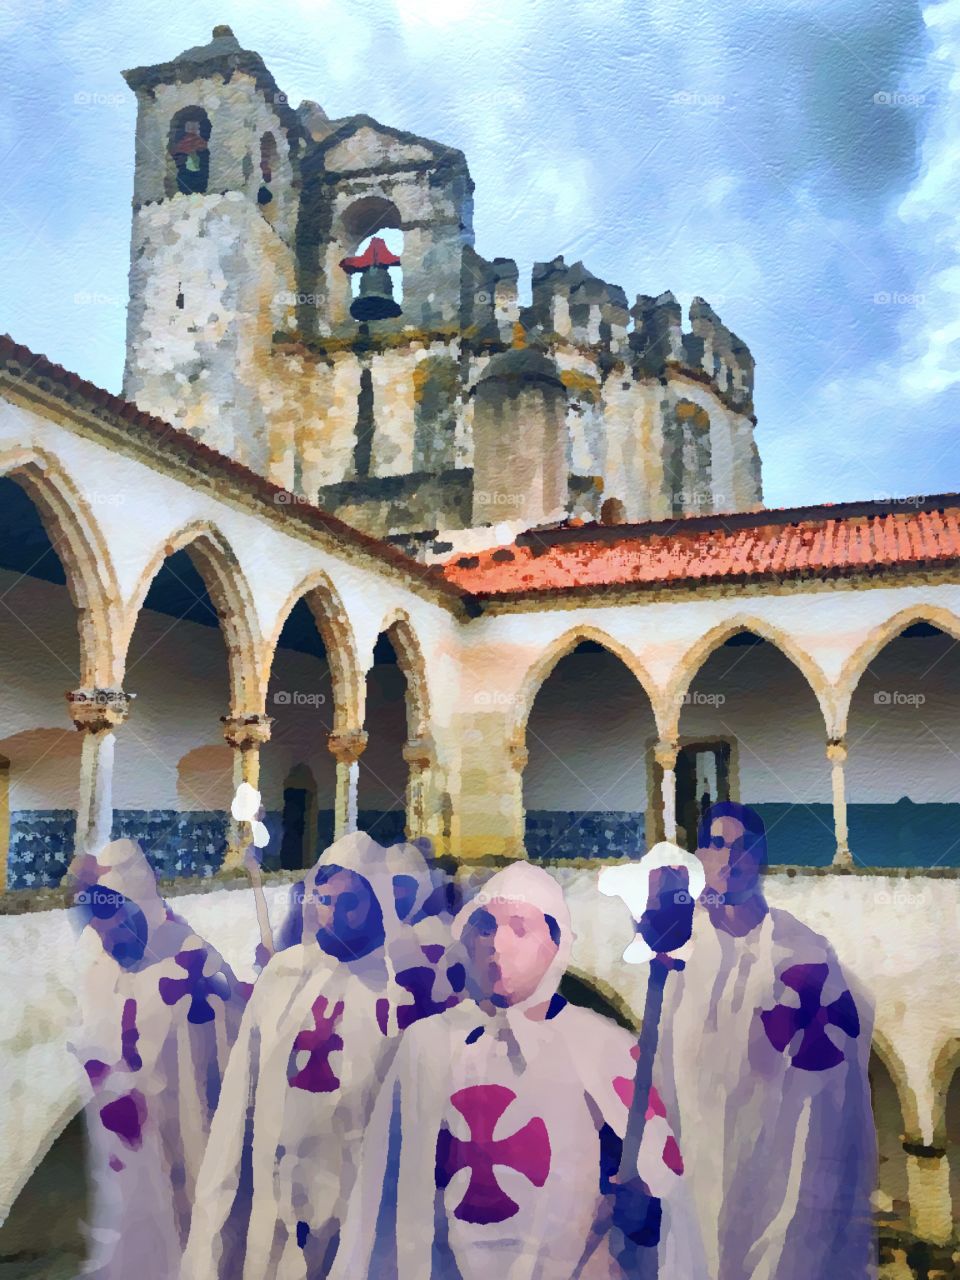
[{"x": 375, "y": 301}]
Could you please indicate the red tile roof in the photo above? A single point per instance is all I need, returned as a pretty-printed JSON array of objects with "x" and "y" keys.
[{"x": 799, "y": 542}]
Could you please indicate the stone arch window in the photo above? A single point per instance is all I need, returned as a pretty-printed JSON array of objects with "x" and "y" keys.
[
  {"x": 364, "y": 219},
  {"x": 268, "y": 173},
  {"x": 189, "y": 149}
]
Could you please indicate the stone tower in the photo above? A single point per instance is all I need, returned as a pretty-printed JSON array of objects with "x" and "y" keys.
[
  {"x": 242, "y": 329},
  {"x": 212, "y": 274}
]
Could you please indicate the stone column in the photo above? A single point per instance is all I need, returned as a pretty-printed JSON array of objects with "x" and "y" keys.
[
  {"x": 837, "y": 755},
  {"x": 246, "y": 734},
  {"x": 96, "y": 713},
  {"x": 519, "y": 755},
  {"x": 665, "y": 754},
  {"x": 347, "y": 748},
  {"x": 419, "y": 754},
  {"x": 928, "y": 1192}
]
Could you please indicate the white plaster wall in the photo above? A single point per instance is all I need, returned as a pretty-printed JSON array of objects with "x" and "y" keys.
[{"x": 39, "y": 662}]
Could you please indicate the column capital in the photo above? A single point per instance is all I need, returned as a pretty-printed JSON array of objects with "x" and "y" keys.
[
  {"x": 347, "y": 747},
  {"x": 518, "y": 753},
  {"x": 837, "y": 750},
  {"x": 665, "y": 752},
  {"x": 249, "y": 730},
  {"x": 419, "y": 751},
  {"x": 98, "y": 710}
]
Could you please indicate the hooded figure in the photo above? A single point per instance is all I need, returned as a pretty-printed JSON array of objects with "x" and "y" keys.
[
  {"x": 316, "y": 1041},
  {"x": 499, "y": 1120},
  {"x": 764, "y": 1052},
  {"x": 160, "y": 1010}
]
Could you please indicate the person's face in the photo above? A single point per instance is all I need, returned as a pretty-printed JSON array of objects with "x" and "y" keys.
[
  {"x": 117, "y": 921},
  {"x": 345, "y": 915},
  {"x": 732, "y": 873},
  {"x": 509, "y": 949}
]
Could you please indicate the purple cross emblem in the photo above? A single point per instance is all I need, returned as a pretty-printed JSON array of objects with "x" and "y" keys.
[
  {"x": 195, "y": 985},
  {"x": 527, "y": 1151},
  {"x": 316, "y": 1075},
  {"x": 419, "y": 982},
  {"x": 816, "y": 1051}
]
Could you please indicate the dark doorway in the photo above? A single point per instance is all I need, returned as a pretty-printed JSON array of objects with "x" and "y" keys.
[
  {"x": 296, "y": 802},
  {"x": 703, "y": 777}
]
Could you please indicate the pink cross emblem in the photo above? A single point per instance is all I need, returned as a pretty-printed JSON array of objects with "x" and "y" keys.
[{"x": 527, "y": 1151}]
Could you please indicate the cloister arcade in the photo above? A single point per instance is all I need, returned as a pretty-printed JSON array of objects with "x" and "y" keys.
[{"x": 353, "y": 689}]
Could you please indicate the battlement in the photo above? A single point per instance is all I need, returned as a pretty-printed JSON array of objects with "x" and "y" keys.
[{"x": 658, "y": 342}]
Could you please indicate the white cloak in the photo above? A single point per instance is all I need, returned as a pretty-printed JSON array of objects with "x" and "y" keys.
[{"x": 763, "y": 1069}]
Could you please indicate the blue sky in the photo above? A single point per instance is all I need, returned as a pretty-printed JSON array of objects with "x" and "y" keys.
[{"x": 797, "y": 164}]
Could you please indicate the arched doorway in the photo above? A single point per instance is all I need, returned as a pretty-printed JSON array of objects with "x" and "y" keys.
[
  {"x": 384, "y": 773},
  {"x": 39, "y": 660},
  {"x": 751, "y": 730},
  {"x": 298, "y": 772},
  {"x": 589, "y": 740},
  {"x": 174, "y": 773},
  {"x": 902, "y": 779}
]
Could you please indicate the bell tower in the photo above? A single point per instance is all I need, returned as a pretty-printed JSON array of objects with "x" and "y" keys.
[{"x": 212, "y": 274}]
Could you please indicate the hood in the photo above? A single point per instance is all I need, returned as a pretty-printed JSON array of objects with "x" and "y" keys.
[
  {"x": 361, "y": 854},
  {"x": 523, "y": 882},
  {"x": 408, "y": 860},
  {"x": 122, "y": 866}
]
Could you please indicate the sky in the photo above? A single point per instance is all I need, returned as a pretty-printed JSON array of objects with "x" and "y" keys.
[{"x": 794, "y": 162}]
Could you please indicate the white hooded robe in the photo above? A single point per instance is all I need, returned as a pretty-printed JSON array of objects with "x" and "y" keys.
[
  {"x": 154, "y": 1042},
  {"x": 763, "y": 1069},
  {"x": 315, "y": 1044},
  {"x": 483, "y": 1154}
]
